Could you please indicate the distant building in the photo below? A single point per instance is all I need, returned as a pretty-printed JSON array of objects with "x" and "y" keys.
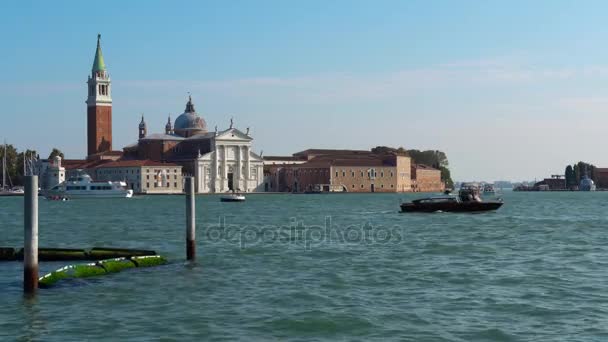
[
  {"x": 601, "y": 177},
  {"x": 50, "y": 172},
  {"x": 556, "y": 182},
  {"x": 426, "y": 179},
  {"x": 143, "y": 176},
  {"x": 339, "y": 171},
  {"x": 221, "y": 161}
]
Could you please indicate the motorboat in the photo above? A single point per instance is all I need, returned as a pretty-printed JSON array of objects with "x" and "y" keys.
[
  {"x": 82, "y": 186},
  {"x": 468, "y": 200},
  {"x": 233, "y": 197}
]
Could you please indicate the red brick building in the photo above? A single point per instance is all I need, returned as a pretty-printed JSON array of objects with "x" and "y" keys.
[
  {"x": 426, "y": 179},
  {"x": 339, "y": 171},
  {"x": 601, "y": 177}
]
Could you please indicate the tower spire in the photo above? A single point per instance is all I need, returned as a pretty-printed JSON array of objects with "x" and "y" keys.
[
  {"x": 143, "y": 131},
  {"x": 98, "y": 63},
  {"x": 168, "y": 127}
]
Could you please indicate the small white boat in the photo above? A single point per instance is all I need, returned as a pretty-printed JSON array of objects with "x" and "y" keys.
[
  {"x": 82, "y": 186},
  {"x": 232, "y": 198}
]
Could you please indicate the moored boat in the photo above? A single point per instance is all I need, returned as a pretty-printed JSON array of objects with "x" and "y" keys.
[
  {"x": 234, "y": 197},
  {"x": 488, "y": 189},
  {"x": 82, "y": 186},
  {"x": 468, "y": 200}
]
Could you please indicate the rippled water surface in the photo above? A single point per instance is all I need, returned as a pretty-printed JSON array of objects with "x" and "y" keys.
[{"x": 321, "y": 267}]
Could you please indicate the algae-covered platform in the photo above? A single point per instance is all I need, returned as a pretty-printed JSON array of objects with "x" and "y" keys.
[{"x": 99, "y": 268}]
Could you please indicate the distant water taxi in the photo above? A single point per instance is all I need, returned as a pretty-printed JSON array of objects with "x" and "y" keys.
[
  {"x": 468, "y": 200},
  {"x": 82, "y": 186},
  {"x": 233, "y": 197},
  {"x": 488, "y": 189}
]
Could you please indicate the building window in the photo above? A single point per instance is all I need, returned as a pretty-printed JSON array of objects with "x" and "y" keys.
[
  {"x": 361, "y": 186},
  {"x": 382, "y": 173},
  {"x": 353, "y": 186},
  {"x": 175, "y": 185},
  {"x": 343, "y": 173},
  {"x": 336, "y": 173},
  {"x": 147, "y": 176},
  {"x": 352, "y": 173},
  {"x": 147, "y": 185}
]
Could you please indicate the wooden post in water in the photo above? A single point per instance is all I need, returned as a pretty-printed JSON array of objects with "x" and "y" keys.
[
  {"x": 190, "y": 219},
  {"x": 30, "y": 242}
]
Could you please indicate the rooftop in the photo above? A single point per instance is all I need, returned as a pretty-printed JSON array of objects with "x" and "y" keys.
[
  {"x": 135, "y": 163},
  {"x": 424, "y": 167}
]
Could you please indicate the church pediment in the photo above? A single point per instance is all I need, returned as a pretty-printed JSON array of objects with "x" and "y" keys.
[
  {"x": 233, "y": 134},
  {"x": 207, "y": 156},
  {"x": 255, "y": 157}
]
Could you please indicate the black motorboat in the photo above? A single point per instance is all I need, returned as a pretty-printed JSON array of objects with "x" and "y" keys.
[{"x": 468, "y": 200}]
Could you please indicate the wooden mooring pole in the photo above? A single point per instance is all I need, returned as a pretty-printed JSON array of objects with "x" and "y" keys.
[
  {"x": 190, "y": 219},
  {"x": 30, "y": 242}
]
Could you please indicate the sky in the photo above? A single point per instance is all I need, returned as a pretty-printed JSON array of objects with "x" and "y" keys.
[{"x": 510, "y": 90}]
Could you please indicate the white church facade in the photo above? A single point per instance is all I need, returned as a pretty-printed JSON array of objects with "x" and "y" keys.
[{"x": 231, "y": 165}]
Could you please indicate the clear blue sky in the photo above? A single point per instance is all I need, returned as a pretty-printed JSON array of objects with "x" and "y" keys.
[{"x": 508, "y": 89}]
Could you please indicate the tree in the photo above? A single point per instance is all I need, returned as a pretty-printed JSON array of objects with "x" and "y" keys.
[
  {"x": 55, "y": 152},
  {"x": 570, "y": 176},
  {"x": 446, "y": 177},
  {"x": 433, "y": 158}
]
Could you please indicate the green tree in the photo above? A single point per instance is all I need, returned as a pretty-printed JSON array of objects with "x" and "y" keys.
[
  {"x": 433, "y": 158},
  {"x": 446, "y": 177},
  {"x": 570, "y": 176},
  {"x": 55, "y": 152}
]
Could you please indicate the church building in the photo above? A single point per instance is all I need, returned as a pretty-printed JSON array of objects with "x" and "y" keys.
[{"x": 221, "y": 161}]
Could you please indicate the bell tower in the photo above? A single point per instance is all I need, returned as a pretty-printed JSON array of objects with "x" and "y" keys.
[
  {"x": 142, "y": 128},
  {"x": 99, "y": 106}
]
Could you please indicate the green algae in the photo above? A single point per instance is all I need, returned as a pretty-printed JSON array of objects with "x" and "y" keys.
[
  {"x": 99, "y": 268},
  {"x": 148, "y": 261},
  {"x": 117, "y": 265}
]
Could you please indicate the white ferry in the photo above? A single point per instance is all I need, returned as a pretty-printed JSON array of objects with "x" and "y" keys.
[{"x": 82, "y": 186}]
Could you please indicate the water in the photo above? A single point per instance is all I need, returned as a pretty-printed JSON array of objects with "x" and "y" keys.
[{"x": 321, "y": 267}]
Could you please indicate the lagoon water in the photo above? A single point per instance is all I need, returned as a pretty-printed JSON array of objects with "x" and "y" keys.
[{"x": 321, "y": 267}]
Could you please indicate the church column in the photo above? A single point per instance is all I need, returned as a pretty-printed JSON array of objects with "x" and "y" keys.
[
  {"x": 214, "y": 172},
  {"x": 240, "y": 162},
  {"x": 247, "y": 167},
  {"x": 225, "y": 169}
]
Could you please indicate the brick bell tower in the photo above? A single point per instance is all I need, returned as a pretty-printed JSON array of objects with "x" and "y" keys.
[{"x": 99, "y": 106}]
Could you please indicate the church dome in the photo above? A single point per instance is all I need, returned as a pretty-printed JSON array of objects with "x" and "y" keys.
[{"x": 189, "y": 123}]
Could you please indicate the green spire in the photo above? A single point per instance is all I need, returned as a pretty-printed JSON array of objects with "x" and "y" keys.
[{"x": 98, "y": 64}]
